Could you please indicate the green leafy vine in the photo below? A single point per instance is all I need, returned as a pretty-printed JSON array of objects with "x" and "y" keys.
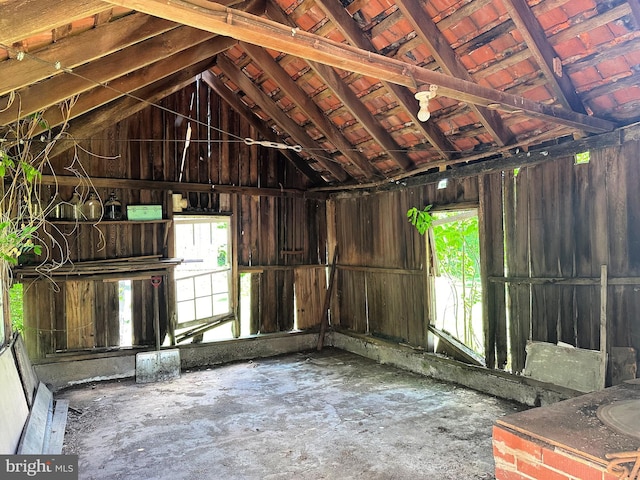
[{"x": 421, "y": 219}]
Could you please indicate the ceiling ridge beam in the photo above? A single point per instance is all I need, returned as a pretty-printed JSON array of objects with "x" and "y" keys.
[
  {"x": 253, "y": 29},
  {"x": 291, "y": 89},
  {"x": 236, "y": 104},
  {"x": 297, "y": 133}
]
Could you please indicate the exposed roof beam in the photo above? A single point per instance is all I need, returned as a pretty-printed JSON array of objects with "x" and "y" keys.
[
  {"x": 349, "y": 28},
  {"x": 306, "y": 105},
  {"x": 97, "y": 120},
  {"x": 42, "y": 95},
  {"x": 20, "y": 19},
  {"x": 355, "y": 106},
  {"x": 82, "y": 48},
  {"x": 450, "y": 64},
  {"x": 234, "y": 102},
  {"x": 140, "y": 78},
  {"x": 260, "y": 31},
  {"x": 542, "y": 51},
  {"x": 361, "y": 113},
  {"x": 278, "y": 116}
]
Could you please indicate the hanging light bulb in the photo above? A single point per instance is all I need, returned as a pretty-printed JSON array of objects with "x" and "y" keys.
[{"x": 423, "y": 98}]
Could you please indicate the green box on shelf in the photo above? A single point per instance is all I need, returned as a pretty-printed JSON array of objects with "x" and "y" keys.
[{"x": 144, "y": 212}]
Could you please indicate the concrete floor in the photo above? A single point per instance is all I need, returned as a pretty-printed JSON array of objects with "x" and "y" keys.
[{"x": 328, "y": 415}]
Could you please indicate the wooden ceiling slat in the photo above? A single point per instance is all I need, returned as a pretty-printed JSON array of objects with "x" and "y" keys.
[
  {"x": 589, "y": 24},
  {"x": 309, "y": 108},
  {"x": 126, "y": 84},
  {"x": 82, "y": 48},
  {"x": 278, "y": 116},
  {"x": 256, "y": 30}
]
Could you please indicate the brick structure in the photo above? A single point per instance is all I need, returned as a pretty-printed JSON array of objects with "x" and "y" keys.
[
  {"x": 566, "y": 441},
  {"x": 519, "y": 457}
]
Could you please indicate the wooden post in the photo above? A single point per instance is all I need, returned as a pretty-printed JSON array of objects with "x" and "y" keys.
[
  {"x": 327, "y": 300},
  {"x": 603, "y": 323}
]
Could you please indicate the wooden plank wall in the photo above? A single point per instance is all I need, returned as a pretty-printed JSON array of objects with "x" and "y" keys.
[
  {"x": 564, "y": 221},
  {"x": 275, "y": 235},
  {"x": 381, "y": 273},
  {"x": 547, "y": 225}
]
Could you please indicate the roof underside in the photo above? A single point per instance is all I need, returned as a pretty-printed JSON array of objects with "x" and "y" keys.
[{"x": 337, "y": 81}]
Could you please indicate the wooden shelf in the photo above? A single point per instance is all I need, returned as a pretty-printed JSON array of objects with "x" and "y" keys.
[
  {"x": 110, "y": 268},
  {"x": 108, "y": 222}
]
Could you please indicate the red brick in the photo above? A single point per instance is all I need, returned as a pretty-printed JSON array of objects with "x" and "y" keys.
[
  {"x": 509, "y": 475},
  {"x": 516, "y": 442},
  {"x": 569, "y": 464},
  {"x": 506, "y": 457},
  {"x": 540, "y": 472}
]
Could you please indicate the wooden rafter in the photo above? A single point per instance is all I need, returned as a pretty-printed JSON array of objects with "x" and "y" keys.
[
  {"x": 140, "y": 78},
  {"x": 352, "y": 103},
  {"x": 20, "y": 19},
  {"x": 234, "y": 102},
  {"x": 542, "y": 51},
  {"x": 85, "y": 47},
  {"x": 278, "y": 116},
  {"x": 298, "y": 96},
  {"x": 260, "y": 31},
  {"x": 448, "y": 61},
  {"x": 345, "y": 23},
  {"x": 85, "y": 77},
  {"x": 310, "y": 109},
  {"x": 88, "y": 125}
]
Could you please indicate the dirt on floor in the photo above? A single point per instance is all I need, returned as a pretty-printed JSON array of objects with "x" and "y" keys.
[{"x": 327, "y": 415}]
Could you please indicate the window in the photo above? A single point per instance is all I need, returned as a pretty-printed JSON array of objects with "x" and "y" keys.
[
  {"x": 203, "y": 280},
  {"x": 455, "y": 277}
]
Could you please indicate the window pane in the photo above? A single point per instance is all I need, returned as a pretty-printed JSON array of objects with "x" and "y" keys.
[
  {"x": 203, "y": 285},
  {"x": 186, "y": 311},
  {"x": 220, "y": 304},
  {"x": 184, "y": 289},
  {"x": 203, "y": 307}
]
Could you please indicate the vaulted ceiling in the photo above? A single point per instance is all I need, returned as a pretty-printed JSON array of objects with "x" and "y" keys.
[{"x": 336, "y": 81}]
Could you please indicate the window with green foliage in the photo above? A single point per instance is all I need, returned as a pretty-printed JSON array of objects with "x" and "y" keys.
[{"x": 458, "y": 291}]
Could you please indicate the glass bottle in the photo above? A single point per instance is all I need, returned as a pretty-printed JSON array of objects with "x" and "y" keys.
[
  {"x": 92, "y": 207},
  {"x": 76, "y": 207},
  {"x": 113, "y": 208},
  {"x": 54, "y": 209}
]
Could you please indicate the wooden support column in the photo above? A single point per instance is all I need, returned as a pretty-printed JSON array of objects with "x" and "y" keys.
[{"x": 603, "y": 324}]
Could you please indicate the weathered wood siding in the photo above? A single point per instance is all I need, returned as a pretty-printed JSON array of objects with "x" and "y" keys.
[
  {"x": 564, "y": 221},
  {"x": 381, "y": 277},
  {"x": 543, "y": 230},
  {"x": 275, "y": 234}
]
